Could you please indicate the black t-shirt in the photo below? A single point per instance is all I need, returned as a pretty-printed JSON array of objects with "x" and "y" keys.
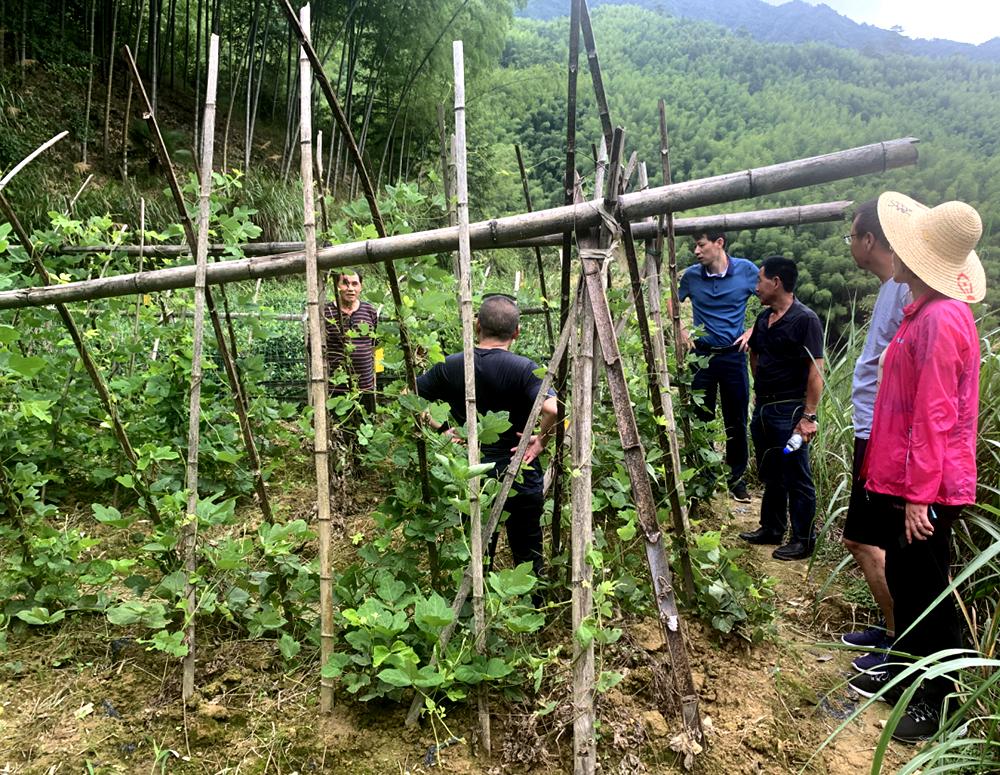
[
  {"x": 784, "y": 352},
  {"x": 505, "y": 382}
]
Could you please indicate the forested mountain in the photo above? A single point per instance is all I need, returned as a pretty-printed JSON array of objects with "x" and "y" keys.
[
  {"x": 792, "y": 22},
  {"x": 740, "y": 103},
  {"x": 733, "y": 102}
]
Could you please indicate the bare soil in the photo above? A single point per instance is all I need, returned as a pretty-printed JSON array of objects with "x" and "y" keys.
[{"x": 76, "y": 699}]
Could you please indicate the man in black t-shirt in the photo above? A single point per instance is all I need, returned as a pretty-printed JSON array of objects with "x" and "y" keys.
[
  {"x": 505, "y": 382},
  {"x": 786, "y": 359}
]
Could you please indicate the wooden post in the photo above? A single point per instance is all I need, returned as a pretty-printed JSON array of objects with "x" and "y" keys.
[
  {"x": 228, "y": 361},
  {"x": 538, "y": 251},
  {"x": 469, "y": 358},
  {"x": 635, "y": 464},
  {"x": 189, "y": 533},
  {"x": 317, "y": 375}
]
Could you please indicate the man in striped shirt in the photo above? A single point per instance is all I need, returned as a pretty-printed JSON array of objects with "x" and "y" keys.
[{"x": 350, "y": 340}]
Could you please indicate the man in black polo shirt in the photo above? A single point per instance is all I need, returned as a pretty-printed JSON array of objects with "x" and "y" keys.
[
  {"x": 505, "y": 382},
  {"x": 786, "y": 359}
]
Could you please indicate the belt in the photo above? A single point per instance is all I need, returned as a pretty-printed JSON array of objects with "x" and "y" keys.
[
  {"x": 776, "y": 398},
  {"x": 732, "y": 348}
]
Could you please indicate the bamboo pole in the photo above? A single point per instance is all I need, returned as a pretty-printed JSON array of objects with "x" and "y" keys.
[
  {"x": 469, "y": 363},
  {"x": 538, "y": 251},
  {"x": 798, "y": 215},
  {"x": 877, "y": 157},
  {"x": 30, "y": 158},
  {"x": 662, "y": 405},
  {"x": 569, "y": 186},
  {"x": 635, "y": 464},
  {"x": 317, "y": 376},
  {"x": 347, "y": 135},
  {"x": 666, "y": 227},
  {"x": 584, "y": 747},
  {"x": 501, "y": 498},
  {"x": 189, "y": 532},
  {"x": 595, "y": 73},
  {"x": 228, "y": 357}
]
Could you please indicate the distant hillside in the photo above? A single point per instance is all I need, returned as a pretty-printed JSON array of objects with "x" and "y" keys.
[{"x": 794, "y": 22}]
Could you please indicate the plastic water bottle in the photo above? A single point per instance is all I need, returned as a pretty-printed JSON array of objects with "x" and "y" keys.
[{"x": 793, "y": 444}]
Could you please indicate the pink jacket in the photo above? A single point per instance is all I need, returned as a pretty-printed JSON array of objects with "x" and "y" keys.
[{"x": 923, "y": 441}]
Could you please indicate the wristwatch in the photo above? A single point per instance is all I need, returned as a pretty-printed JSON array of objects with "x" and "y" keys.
[{"x": 809, "y": 417}]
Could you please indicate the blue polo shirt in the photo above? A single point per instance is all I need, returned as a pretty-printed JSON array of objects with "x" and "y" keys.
[{"x": 719, "y": 303}]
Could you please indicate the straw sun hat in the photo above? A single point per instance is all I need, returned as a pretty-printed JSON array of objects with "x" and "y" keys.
[{"x": 937, "y": 244}]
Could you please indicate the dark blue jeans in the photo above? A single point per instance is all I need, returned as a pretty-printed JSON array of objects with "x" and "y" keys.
[
  {"x": 725, "y": 377},
  {"x": 788, "y": 485}
]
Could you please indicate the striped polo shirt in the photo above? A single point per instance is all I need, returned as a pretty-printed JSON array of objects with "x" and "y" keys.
[{"x": 348, "y": 332}]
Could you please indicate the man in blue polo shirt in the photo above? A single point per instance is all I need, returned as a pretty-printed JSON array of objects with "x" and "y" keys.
[{"x": 719, "y": 287}]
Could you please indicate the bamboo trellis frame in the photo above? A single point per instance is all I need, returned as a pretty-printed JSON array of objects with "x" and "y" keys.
[
  {"x": 537, "y": 249},
  {"x": 797, "y": 215},
  {"x": 862, "y": 160}
]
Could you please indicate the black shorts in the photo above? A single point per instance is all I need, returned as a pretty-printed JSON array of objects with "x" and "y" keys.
[{"x": 864, "y": 525}]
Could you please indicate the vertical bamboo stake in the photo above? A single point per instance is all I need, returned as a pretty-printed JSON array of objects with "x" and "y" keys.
[
  {"x": 369, "y": 191},
  {"x": 584, "y": 748},
  {"x": 538, "y": 251},
  {"x": 665, "y": 225},
  {"x": 189, "y": 535},
  {"x": 501, "y": 498},
  {"x": 659, "y": 386},
  {"x": 469, "y": 357},
  {"x": 228, "y": 361},
  {"x": 569, "y": 182},
  {"x": 642, "y": 493},
  {"x": 317, "y": 376}
]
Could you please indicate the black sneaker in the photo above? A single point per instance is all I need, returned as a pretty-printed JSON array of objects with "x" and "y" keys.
[
  {"x": 738, "y": 492},
  {"x": 920, "y": 722},
  {"x": 761, "y": 536},
  {"x": 870, "y": 638},
  {"x": 794, "y": 550},
  {"x": 872, "y": 684}
]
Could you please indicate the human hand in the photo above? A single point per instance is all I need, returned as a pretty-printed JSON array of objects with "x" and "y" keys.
[
  {"x": 807, "y": 429},
  {"x": 452, "y": 435},
  {"x": 742, "y": 342},
  {"x": 918, "y": 524},
  {"x": 535, "y": 447}
]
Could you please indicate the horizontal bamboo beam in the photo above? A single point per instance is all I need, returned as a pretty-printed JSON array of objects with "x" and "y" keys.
[
  {"x": 752, "y": 219},
  {"x": 863, "y": 160}
]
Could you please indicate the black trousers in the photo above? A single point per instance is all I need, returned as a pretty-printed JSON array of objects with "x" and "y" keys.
[
  {"x": 725, "y": 378},
  {"x": 788, "y": 484},
  {"x": 524, "y": 515},
  {"x": 917, "y": 573}
]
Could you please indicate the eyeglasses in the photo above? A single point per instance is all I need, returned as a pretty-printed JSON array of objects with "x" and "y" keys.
[{"x": 849, "y": 237}]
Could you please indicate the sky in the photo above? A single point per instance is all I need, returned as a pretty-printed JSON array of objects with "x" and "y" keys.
[{"x": 969, "y": 21}]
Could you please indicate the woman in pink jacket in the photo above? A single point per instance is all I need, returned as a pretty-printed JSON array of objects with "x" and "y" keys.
[{"x": 921, "y": 458}]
